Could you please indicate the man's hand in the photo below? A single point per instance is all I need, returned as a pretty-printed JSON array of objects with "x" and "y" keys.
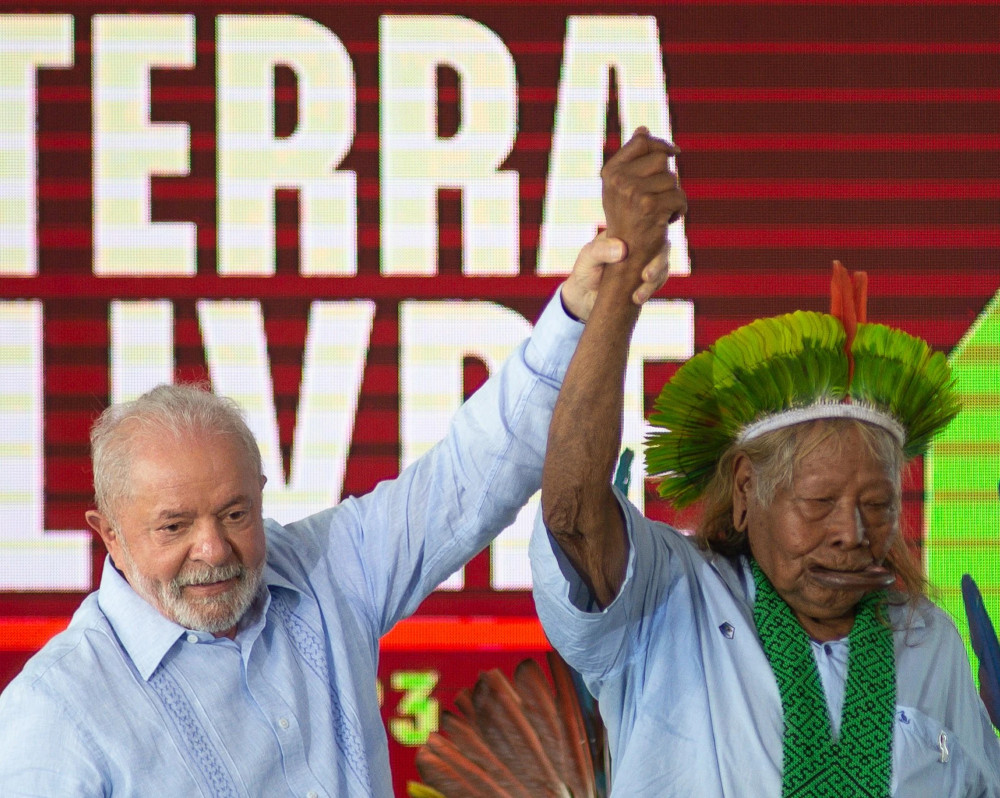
[
  {"x": 641, "y": 195},
  {"x": 580, "y": 289}
]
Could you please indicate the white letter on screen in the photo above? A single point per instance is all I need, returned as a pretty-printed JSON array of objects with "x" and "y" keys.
[
  {"x": 572, "y": 206},
  {"x": 142, "y": 347},
  {"x": 27, "y": 42},
  {"x": 31, "y": 558},
  {"x": 415, "y": 162},
  {"x": 335, "y": 352},
  {"x": 128, "y": 148},
  {"x": 664, "y": 332},
  {"x": 253, "y": 162},
  {"x": 435, "y": 338}
]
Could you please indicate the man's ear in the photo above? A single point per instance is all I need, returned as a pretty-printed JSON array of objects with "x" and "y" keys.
[
  {"x": 103, "y": 527},
  {"x": 742, "y": 485}
]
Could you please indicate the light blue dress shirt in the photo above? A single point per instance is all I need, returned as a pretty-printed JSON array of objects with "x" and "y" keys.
[
  {"x": 127, "y": 703},
  {"x": 688, "y": 696}
]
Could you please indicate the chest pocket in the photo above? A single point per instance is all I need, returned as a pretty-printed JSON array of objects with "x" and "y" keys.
[{"x": 928, "y": 761}]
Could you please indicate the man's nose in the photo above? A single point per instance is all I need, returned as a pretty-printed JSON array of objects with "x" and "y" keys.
[
  {"x": 848, "y": 528},
  {"x": 211, "y": 544}
]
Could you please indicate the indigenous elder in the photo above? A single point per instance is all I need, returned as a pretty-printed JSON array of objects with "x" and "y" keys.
[
  {"x": 226, "y": 655},
  {"x": 787, "y": 649}
]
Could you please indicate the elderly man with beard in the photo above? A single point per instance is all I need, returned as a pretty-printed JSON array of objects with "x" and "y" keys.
[{"x": 226, "y": 655}]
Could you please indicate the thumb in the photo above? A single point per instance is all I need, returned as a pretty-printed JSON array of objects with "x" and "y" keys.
[{"x": 604, "y": 249}]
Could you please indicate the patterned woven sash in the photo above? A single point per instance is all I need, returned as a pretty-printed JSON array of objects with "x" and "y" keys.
[{"x": 815, "y": 765}]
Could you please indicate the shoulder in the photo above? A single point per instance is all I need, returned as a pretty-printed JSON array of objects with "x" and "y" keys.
[
  {"x": 295, "y": 549},
  {"x": 660, "y": 534},
  {"x": 48, "y": 728},
  {"x": 71, "y": 672},
  {"x": 74, "y": 650},
  {"x": 932, "y": 663},
  {"x": 922, "y": 624},
  {"x": 665, "y": 554},
  {"x": 322, "y": 556}
]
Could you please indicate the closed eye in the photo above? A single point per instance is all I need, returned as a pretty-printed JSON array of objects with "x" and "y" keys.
[
  {"x": 816, "y": 507},
  {"x": 879, "y": 511}
]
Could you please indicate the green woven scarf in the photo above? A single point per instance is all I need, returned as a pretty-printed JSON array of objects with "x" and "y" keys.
[{"x": 859, "y": 763}]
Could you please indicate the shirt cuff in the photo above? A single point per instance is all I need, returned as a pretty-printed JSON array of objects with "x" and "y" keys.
[
  {"x": 553, "y": 341},
  {"x": 558, "y": 577}
]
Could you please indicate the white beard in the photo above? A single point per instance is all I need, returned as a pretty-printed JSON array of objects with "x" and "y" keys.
[{"x": 211, "y": 614}]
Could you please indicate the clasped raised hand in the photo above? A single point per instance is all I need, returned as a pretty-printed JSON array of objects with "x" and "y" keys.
[{"x": 641, "y": 195}]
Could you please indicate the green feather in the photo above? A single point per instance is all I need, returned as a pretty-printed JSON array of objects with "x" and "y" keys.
[
  {"x": 901, "y": 375},
  {"x": 755, "y": 371},
  {"x": 781, "y": 363}
]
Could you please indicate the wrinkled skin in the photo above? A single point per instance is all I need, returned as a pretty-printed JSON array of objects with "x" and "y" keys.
[
  {"x": 190, "y": 540},
  {"x": 823, "y": 539}
]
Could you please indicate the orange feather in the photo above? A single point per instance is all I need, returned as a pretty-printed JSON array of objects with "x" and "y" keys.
[{"x": 517, "y": 740}]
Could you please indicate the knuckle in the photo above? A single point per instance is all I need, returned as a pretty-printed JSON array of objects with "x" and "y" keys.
[
  {"x": 661, "y": 160},
  {"x": 621, "y": 184}
]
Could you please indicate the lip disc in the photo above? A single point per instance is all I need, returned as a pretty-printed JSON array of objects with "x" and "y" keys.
[{"x": 874, "y": 577}]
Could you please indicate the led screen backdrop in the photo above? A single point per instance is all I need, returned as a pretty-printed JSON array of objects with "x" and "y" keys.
[{"x": 345, "y": 215}]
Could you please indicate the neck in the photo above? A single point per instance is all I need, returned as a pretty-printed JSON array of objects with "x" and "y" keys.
[{"x": 823, "y": 630}]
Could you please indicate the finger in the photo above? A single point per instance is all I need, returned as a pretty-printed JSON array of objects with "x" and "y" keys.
[
  {"x": 603, "y": 250},
  {"x": 664, "y": 207},
  {"x": 643, "y": 293},
  {"x": 635, "y": 147},
  {"x": 662, "y": 145},
  {"x": 656, "y": 182},
  {"x": 680, "y": 205},
  {"x": 656, "y": 271},
  {"x": 654, "y": 162},
  {"x": 655, "y": 142},
  {"x": 639, "y": 145},
  {"x": 654, "y": 275}
]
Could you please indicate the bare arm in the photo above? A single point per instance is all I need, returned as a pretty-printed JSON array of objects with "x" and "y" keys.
[{"x": 640, "y": 198}]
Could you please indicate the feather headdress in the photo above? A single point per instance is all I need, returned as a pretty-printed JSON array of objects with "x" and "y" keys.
[
  {"x": 785, "y": 370},
  {"x": 520, "y": 739}
]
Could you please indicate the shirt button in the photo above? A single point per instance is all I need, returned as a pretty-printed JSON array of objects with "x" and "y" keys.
[
  {"x": 828, "y": 649},
  {"x": 192, "y": 638},
  {"x": 312, "y": 794},
  {"x": 283, "y": 723}
]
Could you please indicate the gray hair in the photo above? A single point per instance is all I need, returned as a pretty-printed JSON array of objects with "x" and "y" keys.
[{"x": 174, "y": 410}]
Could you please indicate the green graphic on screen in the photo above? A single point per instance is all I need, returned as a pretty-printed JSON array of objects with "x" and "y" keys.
[{"x": 962, "y": 472}]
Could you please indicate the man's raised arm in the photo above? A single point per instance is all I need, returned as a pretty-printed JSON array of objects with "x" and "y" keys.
[{"x": 641, "y": 196}]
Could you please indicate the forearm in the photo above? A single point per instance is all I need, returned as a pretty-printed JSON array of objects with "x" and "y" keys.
[
  {"x": 578, "y": 506},
  {"x": 451, "y": 502},
  {"x": 640, "y": 196}
]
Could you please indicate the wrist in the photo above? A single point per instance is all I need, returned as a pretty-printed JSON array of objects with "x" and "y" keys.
[{"x": 570, "y": 308}]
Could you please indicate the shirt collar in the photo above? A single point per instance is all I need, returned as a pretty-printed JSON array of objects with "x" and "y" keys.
[{"x": 146, "y": 634}]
